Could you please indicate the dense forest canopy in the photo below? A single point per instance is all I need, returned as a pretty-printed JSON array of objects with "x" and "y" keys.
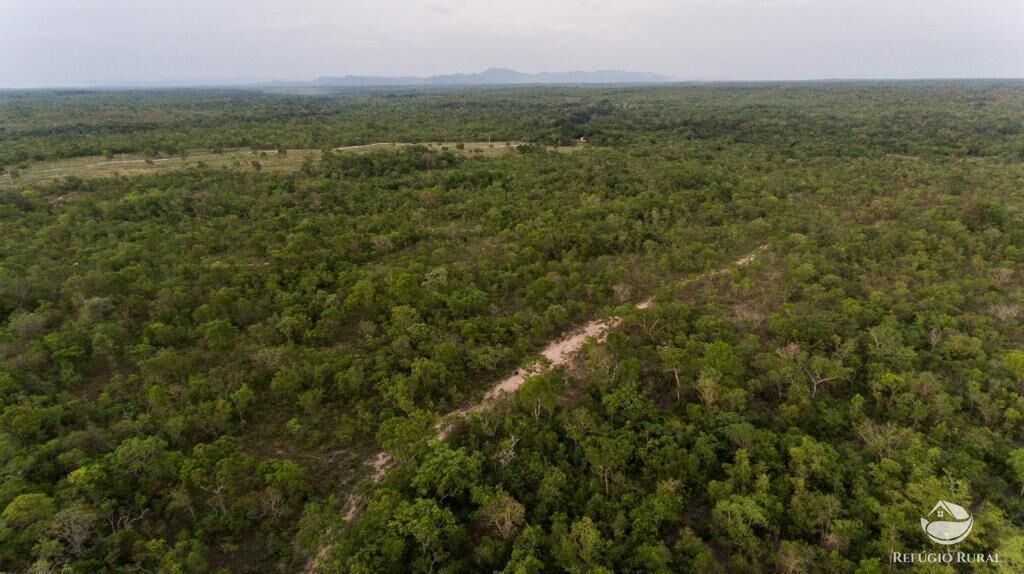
[
  {"x": 948, "y": 118},
  {"x": 198, "y": 365}
]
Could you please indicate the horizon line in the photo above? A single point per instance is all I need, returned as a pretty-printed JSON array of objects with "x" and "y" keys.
[{"x": 156, "y": 85}]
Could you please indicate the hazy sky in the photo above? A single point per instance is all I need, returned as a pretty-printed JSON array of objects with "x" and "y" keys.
[{"x": 72, "y": 42}]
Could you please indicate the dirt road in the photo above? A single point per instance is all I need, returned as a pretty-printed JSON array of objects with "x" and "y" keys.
[{"x": 559, "y": 352}]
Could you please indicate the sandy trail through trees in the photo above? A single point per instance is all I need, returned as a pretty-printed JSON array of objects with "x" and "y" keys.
[{"x": 559, "y": 352}]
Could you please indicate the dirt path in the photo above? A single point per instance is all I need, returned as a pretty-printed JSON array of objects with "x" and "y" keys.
[
  {"x": 352, "y": 147},
  {"x": 489, "y": 148},
  {"x": 559, "y": 352}
]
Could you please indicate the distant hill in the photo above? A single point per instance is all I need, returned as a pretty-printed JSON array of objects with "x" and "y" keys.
[{"x": 491, "y": 77}]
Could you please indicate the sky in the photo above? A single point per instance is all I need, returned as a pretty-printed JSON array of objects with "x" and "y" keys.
[{"x": 94, "y": 42}]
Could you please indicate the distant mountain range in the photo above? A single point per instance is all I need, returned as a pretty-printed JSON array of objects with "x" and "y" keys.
[{"x": 489, "y": 77}]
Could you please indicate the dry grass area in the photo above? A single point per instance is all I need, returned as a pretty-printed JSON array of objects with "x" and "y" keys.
[{"x": 90, "y": 167}]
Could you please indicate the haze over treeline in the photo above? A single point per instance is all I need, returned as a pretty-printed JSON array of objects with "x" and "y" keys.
[{"x": 114, "y": 42}]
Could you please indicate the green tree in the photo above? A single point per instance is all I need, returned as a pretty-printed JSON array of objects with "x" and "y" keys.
[
  {"x": 446, "y": 473},
  {"x": 1016, "y": 464}
]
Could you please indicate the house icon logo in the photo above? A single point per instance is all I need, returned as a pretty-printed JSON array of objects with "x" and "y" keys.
[{"x": 947, "y": 523}]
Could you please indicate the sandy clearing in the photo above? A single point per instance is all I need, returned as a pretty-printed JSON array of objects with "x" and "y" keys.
[
  {"x": 363, "y": 146},
  {"x": 158, "y": 160}
]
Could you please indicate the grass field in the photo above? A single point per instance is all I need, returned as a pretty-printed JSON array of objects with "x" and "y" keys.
[
  {"x": 135, "y": 164},
  {"x": 89, "y": 167}
]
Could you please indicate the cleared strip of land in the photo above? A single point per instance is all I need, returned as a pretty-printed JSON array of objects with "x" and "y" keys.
[
  {"x": 558, "y": 352},
  {"x": 89, "y": 167}
]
